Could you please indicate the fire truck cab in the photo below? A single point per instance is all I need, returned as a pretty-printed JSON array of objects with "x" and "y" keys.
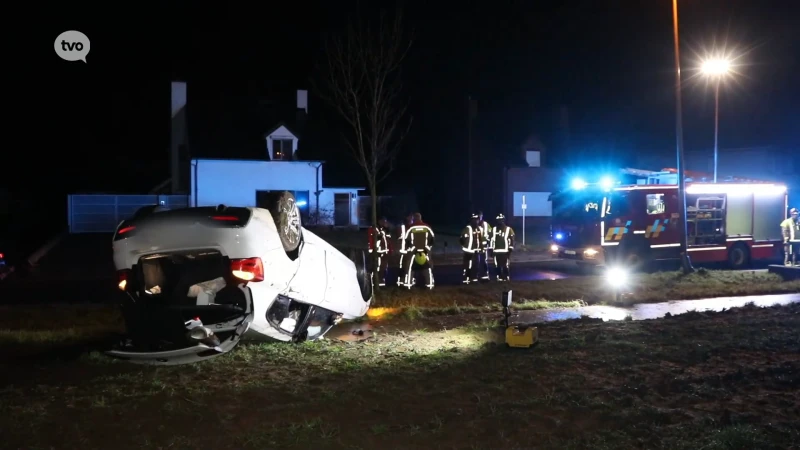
[{"x": 735, "y": 222}]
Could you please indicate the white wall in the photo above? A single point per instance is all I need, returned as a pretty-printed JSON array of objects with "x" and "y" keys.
[
  {"x": 326, "y": 200},
  {"x": 234, "y": 183},
  {"x": 538, "y": 204}
]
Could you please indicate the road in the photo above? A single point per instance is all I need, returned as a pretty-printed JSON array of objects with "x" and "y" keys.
[{"x": 451, "y": 274}]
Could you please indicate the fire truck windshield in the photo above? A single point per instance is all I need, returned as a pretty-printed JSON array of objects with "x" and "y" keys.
[{"x": 577, "y": 207}]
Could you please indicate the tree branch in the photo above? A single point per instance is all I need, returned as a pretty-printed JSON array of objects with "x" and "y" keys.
[{"x": 360, "y": 79}]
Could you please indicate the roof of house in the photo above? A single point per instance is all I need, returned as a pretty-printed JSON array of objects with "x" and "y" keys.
[{"x": 281, "y": 124}]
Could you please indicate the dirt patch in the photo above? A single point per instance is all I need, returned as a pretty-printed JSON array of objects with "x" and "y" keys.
[{"x": 699, "y": 380}]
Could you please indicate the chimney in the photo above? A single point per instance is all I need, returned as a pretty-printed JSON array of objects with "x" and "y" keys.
[
  {"x": 178, "y": 133},
  {"x": 301, "y": 113},
  {"x": 302, "y": 100},
  {"x": 178, "y": 96},
  {"x": 563, "y": 127}
]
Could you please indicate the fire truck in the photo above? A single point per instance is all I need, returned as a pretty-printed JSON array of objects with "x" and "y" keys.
[{"x": 736, "y": 221}]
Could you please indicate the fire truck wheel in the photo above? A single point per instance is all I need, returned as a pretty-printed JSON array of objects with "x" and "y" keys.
[
  {"x": 634, "y": 257},
  {"x": 739, "y": 257}
]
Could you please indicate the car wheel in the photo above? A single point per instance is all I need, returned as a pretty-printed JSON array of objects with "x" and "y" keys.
[
  {"x": 362, "y": 274},
  {"x": 286, "y": 215},
  {"x": 739, "y": 257}
]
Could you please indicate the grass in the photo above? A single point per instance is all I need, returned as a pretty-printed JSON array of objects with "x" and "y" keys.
[
  {"x": 644, "y": 288},
  {"x": 699, "y": 380}
]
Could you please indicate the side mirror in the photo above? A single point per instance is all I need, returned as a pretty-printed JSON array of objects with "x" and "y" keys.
[{"x": 506, "y": 299}]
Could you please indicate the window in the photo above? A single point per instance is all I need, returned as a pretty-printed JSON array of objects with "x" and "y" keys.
[
  {"x": 655, "y": 204},
  {"x": 282, "y": 149},
  {"x": 617, "y": 205}
]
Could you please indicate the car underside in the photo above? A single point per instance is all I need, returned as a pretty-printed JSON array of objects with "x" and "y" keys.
[
  {"x": 194, "y": 282},
  {"x": 186, "y": 305}
]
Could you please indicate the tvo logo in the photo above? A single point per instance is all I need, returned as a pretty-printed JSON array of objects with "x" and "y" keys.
[{"x": 72, "y": 46}]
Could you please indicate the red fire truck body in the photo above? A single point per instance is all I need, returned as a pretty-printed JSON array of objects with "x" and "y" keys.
[{"x": 726, "y": 222}]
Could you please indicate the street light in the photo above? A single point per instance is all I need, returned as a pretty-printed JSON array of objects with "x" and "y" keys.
[{"x": 716, "y": 69}]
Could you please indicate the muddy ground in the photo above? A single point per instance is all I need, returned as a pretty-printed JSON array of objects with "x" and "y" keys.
[{"x": 699, "y": 380}]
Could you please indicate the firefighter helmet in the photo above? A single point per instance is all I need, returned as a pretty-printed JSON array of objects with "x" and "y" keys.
[
  {"x": 475, "y": 216},
  {"x": 793, "y": 212},
  {"x": 500, "y": 217}
]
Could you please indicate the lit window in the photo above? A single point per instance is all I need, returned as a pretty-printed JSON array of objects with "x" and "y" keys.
[{"x": 655, "y": 204}]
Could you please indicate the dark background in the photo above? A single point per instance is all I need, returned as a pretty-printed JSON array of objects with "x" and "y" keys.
[{"x": 104, "y": 126}]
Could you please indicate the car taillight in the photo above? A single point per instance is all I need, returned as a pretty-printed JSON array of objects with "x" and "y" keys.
[
  {"x": 225, "y": 218},
  {"x": 250, "y": 269},
  {"x": 126, "y": 229},
  {"x": 122, "y": 279}
]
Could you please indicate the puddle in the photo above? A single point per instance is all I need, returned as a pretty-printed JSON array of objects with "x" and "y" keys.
[{"x": 655, "y": 310}]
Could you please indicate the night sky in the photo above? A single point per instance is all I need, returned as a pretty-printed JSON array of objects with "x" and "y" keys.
[{"x": 609, "y": 63}]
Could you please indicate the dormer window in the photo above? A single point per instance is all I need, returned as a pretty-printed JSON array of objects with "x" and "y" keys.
[
  {"x": 282, "y": 149},
  {"x": 281, "y": 144}
]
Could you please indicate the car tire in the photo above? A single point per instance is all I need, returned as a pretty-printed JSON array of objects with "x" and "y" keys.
[
  {"x": 286, "y": 214},
  {"x": 362, "y": 274},
  {"x": 739, "y": 257}
]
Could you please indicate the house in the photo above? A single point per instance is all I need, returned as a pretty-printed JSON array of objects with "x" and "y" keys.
[
  {"x": 533, "y": 183},
  {"x": 245, "y": 181},
  {"x": 230, "y": 149}
]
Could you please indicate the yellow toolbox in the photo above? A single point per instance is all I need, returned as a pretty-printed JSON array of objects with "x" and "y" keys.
[
  {"x": 521, "y": 336},
  {"x": 518, "y": 335}
]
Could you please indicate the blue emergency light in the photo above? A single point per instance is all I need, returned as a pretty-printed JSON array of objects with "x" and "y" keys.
[
  {"x": 607, "y": 183},
  {"x": 559, "y": 236},
  {"x": 579, "y": 183}
]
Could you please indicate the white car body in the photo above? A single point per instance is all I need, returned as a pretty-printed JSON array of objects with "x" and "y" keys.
[{"x": 315, "y": 275}]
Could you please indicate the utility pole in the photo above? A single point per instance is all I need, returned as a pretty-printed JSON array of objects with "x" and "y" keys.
[
  {"x": 716, "y": 127},
  {"x": 469, "y": 153},
  {"x": 686, "y": 263}
]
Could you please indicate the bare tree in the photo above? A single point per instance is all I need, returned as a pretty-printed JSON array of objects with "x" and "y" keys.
[{"x": 360, "y": 79}]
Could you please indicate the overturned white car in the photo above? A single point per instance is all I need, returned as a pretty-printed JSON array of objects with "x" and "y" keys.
[{"x": 197, "y": 280}]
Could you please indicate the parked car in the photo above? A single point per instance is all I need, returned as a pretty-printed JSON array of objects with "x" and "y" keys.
[{"x": 197, "y": 280}]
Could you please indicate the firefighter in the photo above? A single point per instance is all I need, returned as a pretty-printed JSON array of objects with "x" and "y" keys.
[
  {"x": 379, "y": 251},
  {"x": 486, "y": 235},
  {"x": 419, "y": 243},
  {"x": 471, "y": 238},
  {"x": 403, "y": 243},
  {"x": 791, "y": 232},
  {"x": 502, "y": 245}
]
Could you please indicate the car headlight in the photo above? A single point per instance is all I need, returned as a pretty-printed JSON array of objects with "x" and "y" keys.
[
  {"x": 554, "y": 248},
  {"x": 617, "y": 277},
  {"x": 590, "y": 252}
]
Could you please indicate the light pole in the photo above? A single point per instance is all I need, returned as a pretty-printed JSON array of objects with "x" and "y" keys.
[
  {"x": 686, "y": 263},
  {"x": 716, "y": 69}
]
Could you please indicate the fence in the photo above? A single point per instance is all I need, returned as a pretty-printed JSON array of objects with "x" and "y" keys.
[
  {"x": 102, "y": 213},
  {"x": 395, "y": 208}
]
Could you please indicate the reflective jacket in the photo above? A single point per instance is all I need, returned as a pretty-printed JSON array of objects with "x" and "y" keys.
[
  {"x": 486, "y": 234},
  {"x": 471, "y": 239},
  {"x": 790, "y": 229},
  {"x": 502, "y": 239},
  {"x": 419, "y": 238},
  {"x": 378, "y": 240},
  {"x": 402, "y": 238}
]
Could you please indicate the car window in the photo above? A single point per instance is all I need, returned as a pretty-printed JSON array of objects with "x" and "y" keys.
[
  {"x": 617, "y": 205},
  {"x": 655, "y": 204}
]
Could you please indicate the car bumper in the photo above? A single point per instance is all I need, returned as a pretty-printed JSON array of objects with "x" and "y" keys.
[
  {"x": 592, "y": 255},
  {"x": 187, "y": 355}
]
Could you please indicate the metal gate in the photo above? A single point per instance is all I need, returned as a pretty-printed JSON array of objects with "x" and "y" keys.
[{"x": 102, "y": 213}]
